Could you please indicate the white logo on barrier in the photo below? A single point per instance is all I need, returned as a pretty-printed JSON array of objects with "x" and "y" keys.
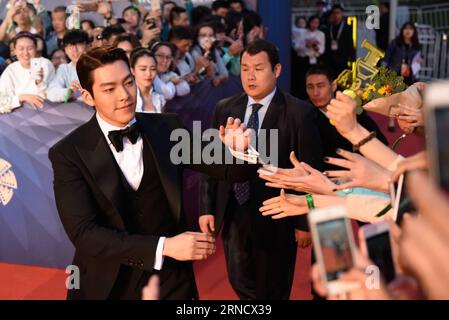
[{"x": 8, "y": 182}]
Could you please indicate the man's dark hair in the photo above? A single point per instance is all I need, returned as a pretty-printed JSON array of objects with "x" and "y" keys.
[
  {"x": 75, "y": 37},
  {"x": 386, "y": 5},
  {"x": 127, "y": 38},
  {"x": 337, "y": 7},
  {"x": 250, "y": 20},
  {"x": 60, "y": 9},
  {"x": 94, "y": 59},
  {"x": 110, "y": 31},
  {"x": 24, "y": 34},
  {"x": 232, "y": 20},
  {"x": 175, "y": 13},
  {"x": 90, "y": 22},
  {"x": 199, "y": 14},
  {"x": 180, "y": 33},
  {"x": 238, "y": 1},
  {"x": 133, "y": 8},
  {"x": 219, "y": 4},
  {"x": 319, "y": 70},
  {"x": 261, "y": 45}
]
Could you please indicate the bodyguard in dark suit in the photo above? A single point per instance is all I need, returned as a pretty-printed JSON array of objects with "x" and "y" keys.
[
  {"x": 118, "y": 192},
  {"x": 260, "y": 252},
  {"x": 321, "y": 90}
]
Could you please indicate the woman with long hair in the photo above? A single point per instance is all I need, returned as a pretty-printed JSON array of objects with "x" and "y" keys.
[
  {"x": 144, "y": 68},
  {"x": 404, "y": 53}
]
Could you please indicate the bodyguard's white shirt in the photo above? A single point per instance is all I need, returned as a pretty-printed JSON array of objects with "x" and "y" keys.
[
  {"x": 130, "y": 161},
  {"x": 265, "y": 102},
  {"x": 58, "y": 87},
  {"x": 251, "y": 155}
]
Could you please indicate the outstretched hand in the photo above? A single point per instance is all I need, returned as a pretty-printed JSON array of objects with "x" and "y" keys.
[{"x": 235, "y": 136}]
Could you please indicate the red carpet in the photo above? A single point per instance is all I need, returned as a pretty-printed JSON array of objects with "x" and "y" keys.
[
  {"x": 25, "y": 282},
  {"x": 34, "y": 283}
]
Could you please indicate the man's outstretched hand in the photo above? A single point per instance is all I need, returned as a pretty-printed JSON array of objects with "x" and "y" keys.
[{"x": 235, "y": 136}]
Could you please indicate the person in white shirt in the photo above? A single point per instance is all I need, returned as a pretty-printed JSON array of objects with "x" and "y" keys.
[
  {"x": 311, "y": 42},
  {"x": 65, "y": 85},
  {"x": 187, "y": 68},
  {"x": 26, "y": 80},
  {"x": 144, "y": 68},
  {"x": 309, "y": 46},
  {"x": 204, "y": 48},
  {"x": 167, "y": 82}
]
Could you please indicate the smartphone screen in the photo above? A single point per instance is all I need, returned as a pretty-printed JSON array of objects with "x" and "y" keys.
[
  {"x": 442, "y": 144},
  {"x": 379, "y": 251},
  {"x": 335, "y": 247}
]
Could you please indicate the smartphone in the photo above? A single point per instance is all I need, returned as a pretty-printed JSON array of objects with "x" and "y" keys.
[
  {"x": 202, "y": 71},
  {"x": 333, "y": 243},
  {"x": 402, "y": 202},
  {"x": 35, "y": 68},
  {"x": 151, "y": 23},
  {"x": 436, "y": 101},
  {"x": 376, "y": 239}
]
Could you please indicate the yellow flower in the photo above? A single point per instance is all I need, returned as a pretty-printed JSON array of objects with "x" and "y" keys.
[
  {"x": 371, "y": 87},
  {"x": 365, "y": 95},
  {"x": 382, "y": 90}
]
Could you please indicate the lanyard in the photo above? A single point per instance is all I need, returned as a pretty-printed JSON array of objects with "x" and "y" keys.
[{"x": 339, "y": 31}]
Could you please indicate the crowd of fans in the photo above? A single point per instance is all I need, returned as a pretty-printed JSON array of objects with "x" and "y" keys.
[{"x": 170, "y": 49}]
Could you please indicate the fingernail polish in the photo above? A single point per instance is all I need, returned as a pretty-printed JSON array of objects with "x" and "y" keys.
[{"x": 326, "y": 159}]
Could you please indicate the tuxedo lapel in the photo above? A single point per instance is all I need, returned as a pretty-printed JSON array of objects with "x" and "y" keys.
[
  {"x": 101, "y": 164},
  {"x": 157, "y": 134}
]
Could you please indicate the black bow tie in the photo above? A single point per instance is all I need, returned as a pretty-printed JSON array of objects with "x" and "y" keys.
[{"x": 116, "y": 136}]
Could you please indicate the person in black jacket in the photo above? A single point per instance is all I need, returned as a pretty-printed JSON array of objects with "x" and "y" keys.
[
  {"x": 321, "y": 90},
  {"x": 118, "y": 190},
  {"x": 260, "y": 252}
]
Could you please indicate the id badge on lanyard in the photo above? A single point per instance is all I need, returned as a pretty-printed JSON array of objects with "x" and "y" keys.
[
  {"x": 334, "y": 45},
  {"x": 334, "y": 42}
]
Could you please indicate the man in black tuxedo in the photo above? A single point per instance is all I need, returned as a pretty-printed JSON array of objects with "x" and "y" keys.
[
  {"x": 118, "y": 193},
  {"x": 321, "y": 90},
  {"x": 260, "y": 252}
]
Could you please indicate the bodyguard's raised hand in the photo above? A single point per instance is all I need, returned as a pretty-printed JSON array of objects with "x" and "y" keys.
[{"x": 236, "y": 136}]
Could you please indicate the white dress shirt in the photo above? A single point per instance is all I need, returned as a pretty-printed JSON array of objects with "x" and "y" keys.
[
  {"x": 265, "y": 102},
  {"x": 157, "y": 99},
  {"x": 185, "y": 65},
  {"x": 300, "y": 44},
  {"x": 16, "y": 80},
  {"x": 58, "y": 87},
  {"x": 130, "y": 161},
  {"x": 251, "y": 155},
  {"x": 168, "y": 89}
]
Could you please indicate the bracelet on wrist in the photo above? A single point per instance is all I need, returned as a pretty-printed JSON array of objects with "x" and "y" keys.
[
  {"x": 356, "y": 147},
  {"x": 310, "y": 203}
]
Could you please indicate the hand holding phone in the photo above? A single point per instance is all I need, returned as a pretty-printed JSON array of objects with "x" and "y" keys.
[
  {"x": 333, "y": 244},
  {"x": 375, "y": 243}
]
